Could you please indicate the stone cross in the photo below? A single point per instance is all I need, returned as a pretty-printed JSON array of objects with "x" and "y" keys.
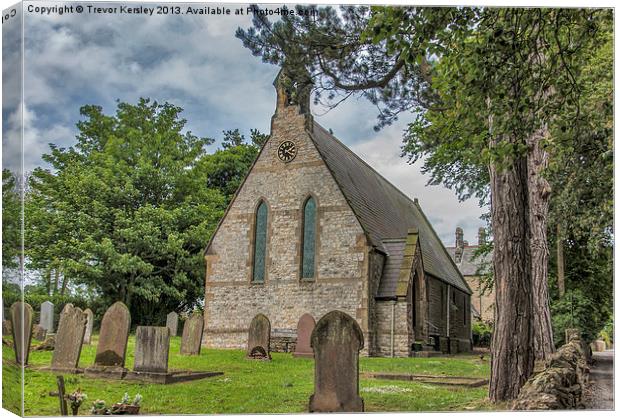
[
  {"x": 305, "y": 326},
  {"x": 69, "y": 339},
  {"x": 113, "y": 336},
  {"x": 192, "y": 334},
  {"x": 46, "y": 319},
  {"x": 336, "y": 340},
  {"x": 152, "y": 347},
  {"x": 21, "y": 325},
  {"x": 259, "y": 336},
  {"x": 172, "y": 322},
  {"x": 89, "y": 325}
]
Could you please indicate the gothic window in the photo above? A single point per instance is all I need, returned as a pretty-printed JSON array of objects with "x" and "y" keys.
[
  {"x": 260, "y": 243},
  {"x": 308, "y": 239}
]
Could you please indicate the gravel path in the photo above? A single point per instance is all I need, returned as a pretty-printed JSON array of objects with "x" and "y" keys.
[{"x": 601, "y": 393}]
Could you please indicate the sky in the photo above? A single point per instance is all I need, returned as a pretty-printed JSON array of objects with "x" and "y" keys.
[{"x": 194, "y": 62}]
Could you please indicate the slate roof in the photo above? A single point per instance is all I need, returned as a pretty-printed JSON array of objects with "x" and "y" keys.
[
  {"x": 468, "y": 266},
  {"x": 383, "y": 211},
  {"x": 391, "y": 268}
]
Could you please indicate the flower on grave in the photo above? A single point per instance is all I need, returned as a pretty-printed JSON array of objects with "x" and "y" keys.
[
  {"x": 76, "y": 398},
  {"x": 137, "y": 400},
  {"x": 125, "y": 399},
  {"x": 98, "y": 407}
]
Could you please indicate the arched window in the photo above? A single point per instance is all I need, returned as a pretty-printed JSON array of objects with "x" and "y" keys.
[
  {"x": 260, "y": 243},
  {"x": 309, "y": 239}
]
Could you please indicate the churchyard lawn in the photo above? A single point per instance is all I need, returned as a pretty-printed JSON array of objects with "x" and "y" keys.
[{"x": 280, "y": 386}]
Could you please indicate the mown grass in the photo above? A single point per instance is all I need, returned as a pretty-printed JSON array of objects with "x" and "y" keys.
[{"x": 280, "y": 386}]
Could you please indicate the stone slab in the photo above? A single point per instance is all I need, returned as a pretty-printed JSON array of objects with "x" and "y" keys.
[
  {"x": 169, "y": 377},
  {"x": 305, "y": 326},
  {"x": 259, "y": 335},
  {"x": 21, "y": 325},
  {"x": 152, "y": 348},
  {"x": 69, "y": 339},
  {"x": 191, "y": 340},
  {"x": 112, "y": 347},
  {"x": 46, "y": 317},
  {"x": 462, "y": 381},
  {"x": 172, "y": 322},
  {"x": 336, "y": 340},
  {"x": 89, "y": 325},
  {"x": 39, "y": 333}
]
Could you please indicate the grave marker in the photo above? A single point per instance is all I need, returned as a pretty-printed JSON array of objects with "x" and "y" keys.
[
  {"x": 336, "y": 341},
  {"x": 46, "y": 319},
  {"x": 192, "y": 334},
  {"x": 21, "y": 326},
  {"x": 259, "y": 335},
  {"x": 112, "y": 346},
  {"x": 172, "y": 322},
  {"x": 89, "y": 325},
  {"x": 305, "y": 326},
  {"x": 69, "y": 339}
]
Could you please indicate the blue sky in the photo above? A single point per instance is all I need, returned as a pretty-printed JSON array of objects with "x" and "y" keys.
[{"x": 194, "y": 62}]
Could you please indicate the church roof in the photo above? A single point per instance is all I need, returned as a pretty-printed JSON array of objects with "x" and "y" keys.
[
  {"x": 470, "y": 265},
  {"x": 383, "y": 211}
]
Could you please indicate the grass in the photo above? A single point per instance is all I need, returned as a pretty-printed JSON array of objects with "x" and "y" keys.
[{"x": 280, "y": 386}]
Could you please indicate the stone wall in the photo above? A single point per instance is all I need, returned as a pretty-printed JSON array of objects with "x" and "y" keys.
[
  {"x": 560, "y": 385},
  {"x": 384, "y": 328},
  {"x": 484, "y": 303},
  {"x": 341, "y": 278}
]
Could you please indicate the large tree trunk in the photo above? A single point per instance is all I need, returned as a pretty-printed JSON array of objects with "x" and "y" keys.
[
  {"x": 512, "y": 356},
  {"x": 560, "y": 249},
  {"x": 539, "y": 192}
]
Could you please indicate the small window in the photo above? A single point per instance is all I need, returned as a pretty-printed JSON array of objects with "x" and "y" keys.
[
  {"x": 308, "y": 239},
  {"x": 260, "y": 243}
]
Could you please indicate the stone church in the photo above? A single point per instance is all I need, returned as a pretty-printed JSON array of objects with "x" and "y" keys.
[{"x": 313, "y": 228}]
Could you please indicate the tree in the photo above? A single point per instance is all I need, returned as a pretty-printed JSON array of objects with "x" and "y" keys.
[
  {"x": 11, "y": 221},
  {"x": 126, "y": 211},
  {"x": 487, "y": 86}
]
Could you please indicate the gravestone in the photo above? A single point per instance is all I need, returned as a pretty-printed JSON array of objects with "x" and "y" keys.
[
  {"x": 46, "y": 318},
  {"x": 152, "y": 346},
  {"x": 6, "y": 327},
  {"x": 39, "y": 333},
  {"x": 172, "y": 322},
  {"x": 336, "y": 341},
  {"x": 21, "y": 326},
  {"x": 192, "y": 334},
  {"x": 69, "y": 339},
  {"x": 259, "y": 335},
  {"x": 305, "y": 326},
  {"x": 89, "y": 325},
  {"x": 112, "y": 346}
]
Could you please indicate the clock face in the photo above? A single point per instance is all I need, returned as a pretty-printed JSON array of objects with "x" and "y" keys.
[{"x": 287, "y": 151}]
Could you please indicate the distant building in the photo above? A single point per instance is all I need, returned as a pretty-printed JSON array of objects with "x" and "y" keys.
[
  {"x": 313, "y": 228},
  {"x": 473, "y": 269}
]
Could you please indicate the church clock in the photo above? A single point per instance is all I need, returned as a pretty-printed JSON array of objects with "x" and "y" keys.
[{"x": 287, "y": 151}]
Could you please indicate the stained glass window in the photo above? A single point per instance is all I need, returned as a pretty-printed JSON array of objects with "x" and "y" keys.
[
  {"x": 309, "y": 237},
  {"x": 260, "y": 243}
]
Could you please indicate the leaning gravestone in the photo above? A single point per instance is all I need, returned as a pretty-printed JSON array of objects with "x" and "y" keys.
[
  {"x": 152, "y": 347},
  {"x": 172, "y": 322},
  {"x": 39, "y": 333},
  {"x": 305, "y": 326},
  {"x": 21, "y": 325},
  {"x": 259, "y": 336},
  {"x": 46, "y": 319},
  {"x": 336, "y": 340},
  {"x": 192, "y": 334},
  {"x": 112, "y": 347},
  {"x": 69, "y": 339},
  {"x": 89, "y": 325}
]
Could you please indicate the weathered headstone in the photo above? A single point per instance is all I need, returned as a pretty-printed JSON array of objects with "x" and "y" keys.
[
  {"x": 69, "y": 339},
  {"x": 89, "y": 325},
  {"x": 192, "y": 334},
  {"x": 305, "y": 326},
  {"x": 112, "y": 347},
  {"x": 152, "y": 347},
  {"x": 259, "y": 335},
  {"x": 46, "y": 317},
  {"x": 21, "y": 325},
  {"x": 172, "y": 322},
  {"x": 6, "y": 327},
  {"x": 336, "y": 340},
  {"x": 39, "y": 333}
]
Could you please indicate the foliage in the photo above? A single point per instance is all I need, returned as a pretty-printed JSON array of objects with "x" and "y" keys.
[
  {"x": 481, "y": 333},
  {"x": 607, "y": 333},
  {"x": 243, "y": 389},
  {"x": 125, "y": 211},
  {"x": 11, "y": 221}
]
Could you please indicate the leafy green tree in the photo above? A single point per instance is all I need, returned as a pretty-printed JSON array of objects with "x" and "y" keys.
[
  {"x": 127, "y": 211},
  {"x": 11, "y": 224},
  {"x": 488, "y": 87}
]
